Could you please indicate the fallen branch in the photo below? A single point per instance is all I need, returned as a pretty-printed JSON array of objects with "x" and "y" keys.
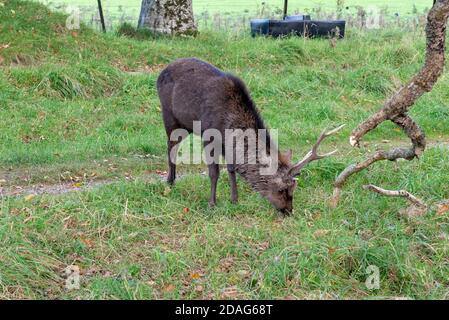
[
  {"x": 421, "y": 83},
  {"x": 397, "y": 193},
  {"x": 396, "y": 107}
]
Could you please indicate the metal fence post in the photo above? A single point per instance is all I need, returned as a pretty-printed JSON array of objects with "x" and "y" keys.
[{"x": 100, "y": 10}]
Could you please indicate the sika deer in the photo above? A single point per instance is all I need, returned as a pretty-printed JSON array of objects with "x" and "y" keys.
[{"x": 192, "y": 90}]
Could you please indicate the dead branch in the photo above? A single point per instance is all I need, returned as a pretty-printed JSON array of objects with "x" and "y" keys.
[
  {"x": 396, "y": 107},
  {"x": 421, "y": 83},
  {"x": 397, "y": 193},
  {"x": 313, "y": 155}
]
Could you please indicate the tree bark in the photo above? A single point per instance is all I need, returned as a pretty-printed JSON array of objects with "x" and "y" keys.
[{"x": 168, "y": 17}]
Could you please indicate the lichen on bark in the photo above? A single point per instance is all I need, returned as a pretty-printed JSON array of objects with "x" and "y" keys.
[{"x": 173, "y": 17}]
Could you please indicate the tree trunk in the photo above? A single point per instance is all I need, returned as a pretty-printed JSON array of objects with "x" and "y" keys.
[{"x": 168, "y": 16}]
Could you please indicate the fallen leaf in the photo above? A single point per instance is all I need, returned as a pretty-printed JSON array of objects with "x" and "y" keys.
[
  {"x": 199, "y": 289},
  {"x": 169, "y": 288},
  {"x": 263, "y": 246},
  {"x": 186, "y": 210},
  {"x": 316, "y": 215},
  {"x": 225, "y": 264},
  {"x": 77, "y": 185},
  {"x": 442, "y": 208},
  {"x": 87, "y": 242},
  {"x": 195, "y": 276},
  {"x": 29, "y": 197}
]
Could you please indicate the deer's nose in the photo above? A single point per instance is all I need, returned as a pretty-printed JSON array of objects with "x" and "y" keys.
[{"x": 286, "y": 211}]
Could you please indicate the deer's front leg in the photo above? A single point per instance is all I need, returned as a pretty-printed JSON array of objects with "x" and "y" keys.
[
  {"x": 233, "y": 183},
  {"x": 214, "y": 173}
]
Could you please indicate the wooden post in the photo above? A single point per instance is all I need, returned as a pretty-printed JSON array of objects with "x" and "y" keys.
[
  {"x": 285, "y": 8},
  {"x": 100, "y": 10}
]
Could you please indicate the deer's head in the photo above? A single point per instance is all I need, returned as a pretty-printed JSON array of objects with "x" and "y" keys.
[{"x": 279, "y": 187}]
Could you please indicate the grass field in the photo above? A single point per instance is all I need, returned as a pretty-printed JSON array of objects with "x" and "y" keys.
[
  {"x": 78, "y": 108},
  {"x": 239, "y": 6},
  {"x": 116, "y": 11}
]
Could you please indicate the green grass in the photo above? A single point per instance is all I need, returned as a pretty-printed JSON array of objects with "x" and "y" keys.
[
  {"x": 239, "y": 6},
  {"x": 77, "y": 106}
]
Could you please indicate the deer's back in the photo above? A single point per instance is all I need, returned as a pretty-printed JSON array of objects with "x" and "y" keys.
[{"x": 194, "y": 90}]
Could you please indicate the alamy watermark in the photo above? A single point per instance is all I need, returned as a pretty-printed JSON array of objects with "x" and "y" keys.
[
  {"x": 72, "y": 281},
  {"x": 374, "y": 17},
  {"x": 73, "y": 20},
  {"x": 373, "y": 280},
  {"x": 238, "y": 146}
]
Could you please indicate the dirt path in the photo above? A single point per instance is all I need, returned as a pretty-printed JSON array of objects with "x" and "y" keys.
[
  {"x": 66, "y": 187},
  {"x": 61, "y": 188}
]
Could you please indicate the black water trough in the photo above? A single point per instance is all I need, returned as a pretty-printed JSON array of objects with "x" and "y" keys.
[{"x": 300, "y": 25}]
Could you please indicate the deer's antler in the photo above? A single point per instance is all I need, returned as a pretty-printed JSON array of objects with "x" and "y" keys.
[{"x": 313, "y": 155}]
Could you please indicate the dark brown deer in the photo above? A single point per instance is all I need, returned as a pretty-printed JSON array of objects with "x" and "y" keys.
[{"x": 193, "y": 90}]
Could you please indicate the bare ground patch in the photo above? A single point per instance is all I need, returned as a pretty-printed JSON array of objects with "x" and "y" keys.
[{"x": 22, "y": 182}]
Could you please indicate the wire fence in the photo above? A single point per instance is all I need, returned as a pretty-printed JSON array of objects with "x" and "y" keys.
[{"x": 231, "y": 20}]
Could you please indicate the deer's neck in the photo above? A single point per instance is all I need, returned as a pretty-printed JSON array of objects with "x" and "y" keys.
[
  {"x": 255, "y": 156},
  {"x": 252, "y": 145}
]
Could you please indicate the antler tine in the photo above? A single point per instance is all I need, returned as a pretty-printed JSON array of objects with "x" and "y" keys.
[
  {"x": 313, "y": 155},
  {"x": 328, "y": 154},
  {"x": 334, "y": 131},
  {"x": 323, "y": 136}
]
